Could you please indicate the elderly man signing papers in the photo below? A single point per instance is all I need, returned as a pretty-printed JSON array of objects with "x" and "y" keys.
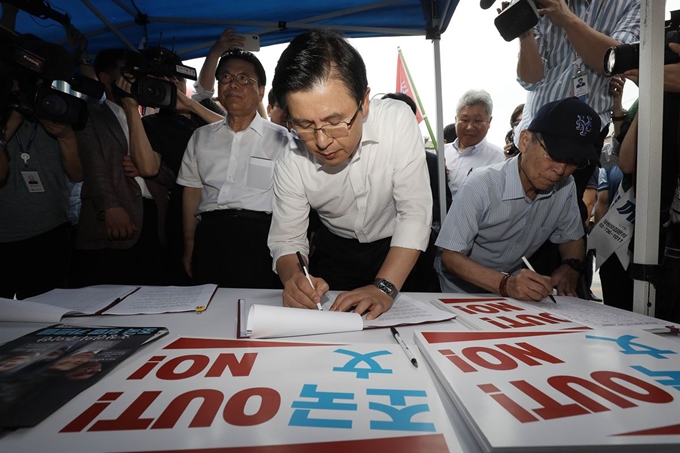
[
  {"x": 506, "y": 211},
  {"x": 361, "y": 165}
]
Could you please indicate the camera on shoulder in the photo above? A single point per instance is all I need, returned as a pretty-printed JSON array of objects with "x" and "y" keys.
[
  {"x": 151, "y": 70},
  {"x": 36, "y": 65}
]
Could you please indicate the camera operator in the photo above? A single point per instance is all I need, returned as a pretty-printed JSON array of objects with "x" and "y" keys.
[
  {"x": 121, "y": 232},
  {"x": 667, "y": 284},
  {"x": 568, "y": 44},
  {"x": 169, "y": 131},
  {"x": 37, "y": 159}
]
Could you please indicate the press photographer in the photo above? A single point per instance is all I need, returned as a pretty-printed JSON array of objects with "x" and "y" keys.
[
  {"x": 122, "y": 234},
  {"x": 41, "y": 156},
  {"x": 151, "y": 75},
  {"x": 619, "y": 59},
  {"x": 36, "y": 65}
]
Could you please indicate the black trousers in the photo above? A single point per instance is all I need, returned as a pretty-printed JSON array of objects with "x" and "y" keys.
[
  {"x": 141, "y": 264},
  {"x": 347, "y": 264},
  {"x": 230, "y": 250},
  {"x": 35, "y": 265}
]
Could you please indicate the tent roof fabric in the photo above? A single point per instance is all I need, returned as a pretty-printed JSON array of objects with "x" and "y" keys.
[{"x": 194, "y": 26}]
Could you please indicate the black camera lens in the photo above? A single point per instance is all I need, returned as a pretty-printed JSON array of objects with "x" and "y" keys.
[
  {"x": 54, "y": 105},
  {"x": 152, "y": 92},
  {"x": 619, "y": 59}
]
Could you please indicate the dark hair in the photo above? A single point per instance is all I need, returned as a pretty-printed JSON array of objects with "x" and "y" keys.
[
  {"x": 316, "y": 56},
  {"x": 238, "y": 54},
  {"x": 450, "y": 133},
  {"x": 271, "y": 99},
  {"x": 107, "y": 59},
  {"x": 404, "y": 98},
  {"x": 515, "y": 113}
]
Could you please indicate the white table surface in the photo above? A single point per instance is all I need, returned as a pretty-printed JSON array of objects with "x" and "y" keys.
[{"x": 220, "y": 321}]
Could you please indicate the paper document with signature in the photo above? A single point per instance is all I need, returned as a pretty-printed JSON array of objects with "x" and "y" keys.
[{"x": 267, "y": 318}]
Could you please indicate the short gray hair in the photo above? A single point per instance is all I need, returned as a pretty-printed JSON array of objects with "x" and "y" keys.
[{"x": 475, "y": 97}]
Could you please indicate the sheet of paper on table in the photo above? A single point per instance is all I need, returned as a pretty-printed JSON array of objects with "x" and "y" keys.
[{"x": 266, "y": 318}]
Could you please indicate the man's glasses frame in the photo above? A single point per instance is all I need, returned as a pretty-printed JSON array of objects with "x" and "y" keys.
[
  {"x": 225, "y": 79},
  {"x": 333, "y": 130},
  {"x": 578, "y": 164}
]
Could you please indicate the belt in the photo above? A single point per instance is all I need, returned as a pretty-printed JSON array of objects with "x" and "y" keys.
[{"x": 236, "y": 213}]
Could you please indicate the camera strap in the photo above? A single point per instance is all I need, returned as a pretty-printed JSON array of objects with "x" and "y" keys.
[{"x": 25, "y": 152}]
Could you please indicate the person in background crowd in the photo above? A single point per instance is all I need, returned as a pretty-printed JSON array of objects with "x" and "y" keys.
[
  {"x": 121, "y": 231},
  {"x": 38, "y": 158},
  {"x": 227, "y": 172},
  {"x": 275, "y": 112},
  {"x": 471, "y": 149},
  {"x": 510, "y": 149}
]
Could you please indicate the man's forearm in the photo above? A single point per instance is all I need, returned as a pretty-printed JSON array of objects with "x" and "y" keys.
[
  {"x": 191, "y": 198},
  {"x": 590, "y": 44},
  {"x": 69, "y": 156},
  {"x": 530, "y": 63},
  {"x": 398, "y": 265},
  {"x": 147, "y": 161},
  {"x": 573, "y": 249},
  {"x": 206, "y": 115},
  {"x": 471, "y": 271}
]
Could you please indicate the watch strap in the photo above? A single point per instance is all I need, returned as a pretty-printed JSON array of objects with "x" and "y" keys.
[
  {"x": 386, "y": 287},
  {"x": 575, "y": 264}
]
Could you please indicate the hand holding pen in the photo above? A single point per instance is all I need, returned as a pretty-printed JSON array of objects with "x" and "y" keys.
[
  {"x": 308, "y": 277},
  {"x": 531, "y": 268}
]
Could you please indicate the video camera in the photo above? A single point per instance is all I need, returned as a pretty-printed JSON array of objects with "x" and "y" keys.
[
  {"x": 621, "y": 58},
  {"x": 150, "y": 69},
  {"x": 35, "y": 65},
  {"x": 518, "y": 17}
]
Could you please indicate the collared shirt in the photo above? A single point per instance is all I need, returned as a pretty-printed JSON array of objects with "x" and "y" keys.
[
  {"x": 235, "y": 170},
  {"x": 619, "y": 20},
  {"x": 381, "y": 191},
  {"x": 122, "y": 120},
  {"x": 459, "y": 164},
  {"x": 494, "y": 223}
]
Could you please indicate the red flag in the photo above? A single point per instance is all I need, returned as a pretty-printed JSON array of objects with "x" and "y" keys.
[{"x": 404, "y": 86}]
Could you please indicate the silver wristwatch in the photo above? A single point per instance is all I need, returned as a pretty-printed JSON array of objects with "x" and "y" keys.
[{"x": 387, "y": 287}]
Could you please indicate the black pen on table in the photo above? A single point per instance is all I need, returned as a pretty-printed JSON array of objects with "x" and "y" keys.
[
  {"x": 531, "y": 268},
  {"x": 407, "y": 351},
  {"x": 309, "y": 279}
]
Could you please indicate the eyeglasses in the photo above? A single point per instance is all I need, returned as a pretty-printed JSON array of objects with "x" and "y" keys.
[
  {"x": 578, "y": 164},
  {"x": 242, "y": 79},
  {"x": 334, "y": 130}
]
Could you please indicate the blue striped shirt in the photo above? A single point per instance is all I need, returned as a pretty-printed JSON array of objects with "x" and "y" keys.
[
  {"x": 493, "y": 222},
  {"x": 618, "y": 19}
]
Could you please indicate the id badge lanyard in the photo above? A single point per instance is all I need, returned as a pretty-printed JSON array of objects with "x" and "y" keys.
[
  {"x": 25, "y": 151},
  {"x": 579, "y": 83}
]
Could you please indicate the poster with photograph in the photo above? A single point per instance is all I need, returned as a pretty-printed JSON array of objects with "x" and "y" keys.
[{"x": 42, "y": 371}]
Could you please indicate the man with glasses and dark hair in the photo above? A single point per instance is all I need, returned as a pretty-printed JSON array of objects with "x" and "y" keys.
[
  {"x": 227, "y": 173},
  {"x": 506, "y": 211},
  {"x": 361, "y": 165}
]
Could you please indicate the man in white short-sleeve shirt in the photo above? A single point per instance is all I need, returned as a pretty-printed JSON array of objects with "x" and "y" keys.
[{"x": 227, "y": 173}]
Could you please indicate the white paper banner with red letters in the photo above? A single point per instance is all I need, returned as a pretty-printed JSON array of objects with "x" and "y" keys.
[
  {"x": 538, "y": 391},
  {"x": 228, "y": 395}
]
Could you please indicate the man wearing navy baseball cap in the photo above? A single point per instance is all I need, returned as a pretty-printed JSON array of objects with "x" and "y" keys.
[{"x": 505, "y": 212}]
